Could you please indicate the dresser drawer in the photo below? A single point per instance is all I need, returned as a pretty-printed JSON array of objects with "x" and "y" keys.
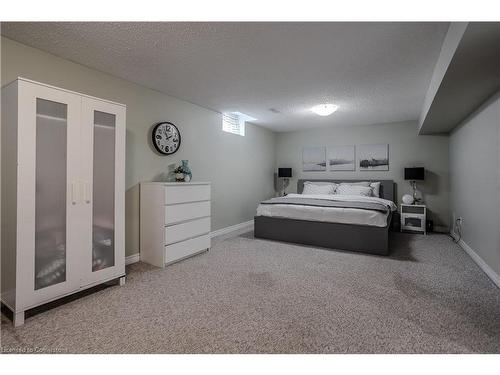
[
  {"x": 419, "y": 210},
  {"x": 186, "y": 211},
  {"x": 186, "y": 248},
  {"x": 189, "y": 229},
  {"x": 186, "y": 193},
  {"x": 413, "y": 223}
]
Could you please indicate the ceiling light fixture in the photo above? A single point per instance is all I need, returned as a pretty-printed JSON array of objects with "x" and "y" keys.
[{"x": 324, "y": 109}]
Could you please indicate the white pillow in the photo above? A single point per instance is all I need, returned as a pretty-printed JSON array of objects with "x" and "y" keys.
[
  {"x": 319, "y": 188},
  {"x": 376, "y": 189},
  {"x": 374, "y": 185},
  {"x": 365, "y": 191},
  {"x": 362, "y": 183}
]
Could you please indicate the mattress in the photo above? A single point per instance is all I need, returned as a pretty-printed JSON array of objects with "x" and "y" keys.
[{"x": 327, "y": 214}]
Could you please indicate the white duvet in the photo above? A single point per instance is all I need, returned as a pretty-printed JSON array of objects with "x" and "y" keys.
[{"x": 330, "y": 214}]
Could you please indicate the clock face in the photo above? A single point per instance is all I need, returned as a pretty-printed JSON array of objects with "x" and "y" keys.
[{"x": 166, "y": 138}]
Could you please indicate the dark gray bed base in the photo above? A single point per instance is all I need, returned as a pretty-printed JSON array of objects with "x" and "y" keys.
[{"x": 361, "y": 238}]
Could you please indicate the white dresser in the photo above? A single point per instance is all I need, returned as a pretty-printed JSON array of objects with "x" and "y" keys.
[{"x": 175, "y": 221}]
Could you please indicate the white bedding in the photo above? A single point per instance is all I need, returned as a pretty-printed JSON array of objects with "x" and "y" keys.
[{"x": 329, "y": 214}]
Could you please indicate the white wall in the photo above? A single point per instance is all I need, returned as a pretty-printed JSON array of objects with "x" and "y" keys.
[
  {"x": 240, "y": 168},
  {"x": 406, "y": 149},
  {"x": 475, "y": 180}
]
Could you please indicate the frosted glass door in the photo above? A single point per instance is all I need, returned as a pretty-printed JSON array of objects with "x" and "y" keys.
[
  {"x": 103, "y": 191},
  {"x": 50, "y": 193},
  {"x": 103, "y": 142},
  {"x": 48, "y": 208}
]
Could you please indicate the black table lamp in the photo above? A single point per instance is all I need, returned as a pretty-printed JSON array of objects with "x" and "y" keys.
[
  {"x": 285, "y": 174},
  {"x": 413, "y": 175}
]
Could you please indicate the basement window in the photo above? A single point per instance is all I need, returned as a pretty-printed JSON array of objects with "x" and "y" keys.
[{"x": 232, "y": 123}]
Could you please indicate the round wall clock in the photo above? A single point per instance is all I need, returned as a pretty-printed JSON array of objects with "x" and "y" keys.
[{"x": 166, "y": 138}]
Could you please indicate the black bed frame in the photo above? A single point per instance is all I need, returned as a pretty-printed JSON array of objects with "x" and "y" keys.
[{"x": 352, "y": 237}]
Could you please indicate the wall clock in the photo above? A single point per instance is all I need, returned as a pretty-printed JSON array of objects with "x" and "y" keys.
[{"x": 166, "y": 138}]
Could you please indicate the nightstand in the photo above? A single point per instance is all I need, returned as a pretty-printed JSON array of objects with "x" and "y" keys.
[{"x": 413, "y": 217}]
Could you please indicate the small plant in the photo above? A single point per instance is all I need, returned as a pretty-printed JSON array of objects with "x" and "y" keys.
[
  {"x": 179, "y": 174},
  {"x": 179, "y": 169}
]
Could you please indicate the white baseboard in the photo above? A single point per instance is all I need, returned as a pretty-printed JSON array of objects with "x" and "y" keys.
[
  {"x": 243, "y": 227},
  {"x": 479, "y": 261},
  {"x": 132, "y": 259}
]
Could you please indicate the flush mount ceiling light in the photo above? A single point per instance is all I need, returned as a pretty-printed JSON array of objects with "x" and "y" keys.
[{"x": 324, "y": 109}]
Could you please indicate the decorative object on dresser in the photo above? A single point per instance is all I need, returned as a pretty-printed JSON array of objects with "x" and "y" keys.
[
  {"x": 174, "y": 221},
  {"x": 413, "y": 175},
  {"x": 313, "y": 159},
  {"x": 188, "y": 175},
  {"x": 179, "y": 174},
  {"x": 413, "y": 218},
  {"x": 284, "y": 174},
  {"x": 373, "y": 157},
  {"x": 183, "y": 172},
  {"x": 342, "y": 158},
  {"x": 63, "y": 194},
  {"x": 166, "y": 138}
]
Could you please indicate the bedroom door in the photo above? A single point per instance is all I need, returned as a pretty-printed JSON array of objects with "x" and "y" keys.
[{"x": 103, "y": 182}]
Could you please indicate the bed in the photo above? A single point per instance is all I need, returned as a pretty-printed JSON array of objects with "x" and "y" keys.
[{"x": 361, "y": 226}]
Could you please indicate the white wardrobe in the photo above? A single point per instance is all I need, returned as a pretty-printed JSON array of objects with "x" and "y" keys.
[{"x": 63, "y": 193}]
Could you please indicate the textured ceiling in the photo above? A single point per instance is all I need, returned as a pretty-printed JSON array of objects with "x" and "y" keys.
[{"x": 375, "y": 72}]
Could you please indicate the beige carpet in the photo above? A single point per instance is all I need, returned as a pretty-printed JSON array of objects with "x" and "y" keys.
[{"x": 256, "y": 296}]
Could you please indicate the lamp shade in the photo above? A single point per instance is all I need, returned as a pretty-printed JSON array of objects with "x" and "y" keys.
[
  {"x": 414, "y": 174},
  {"x": 284, "y": 172}
]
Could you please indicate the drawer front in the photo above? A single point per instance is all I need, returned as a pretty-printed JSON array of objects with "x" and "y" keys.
[
  {"x": 186, "y": 211},
  {"x": 186, "y": 248},
  {"x": 413, "y": 210},
  {"x": 411, "y": 222},
  {"x": 186, "y": 193},
  {"x": 190, "y": 229}
]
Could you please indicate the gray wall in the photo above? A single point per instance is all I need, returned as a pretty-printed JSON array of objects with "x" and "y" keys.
[
  {"x": 475, "y": 180},
  {"x": 240, "y": 168},
  {"x": 405, "y": 149}
]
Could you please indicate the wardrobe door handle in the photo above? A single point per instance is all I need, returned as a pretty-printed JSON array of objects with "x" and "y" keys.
[
  {"x": 74, "y": 193},
  {"x": 86, "y": 192}
]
